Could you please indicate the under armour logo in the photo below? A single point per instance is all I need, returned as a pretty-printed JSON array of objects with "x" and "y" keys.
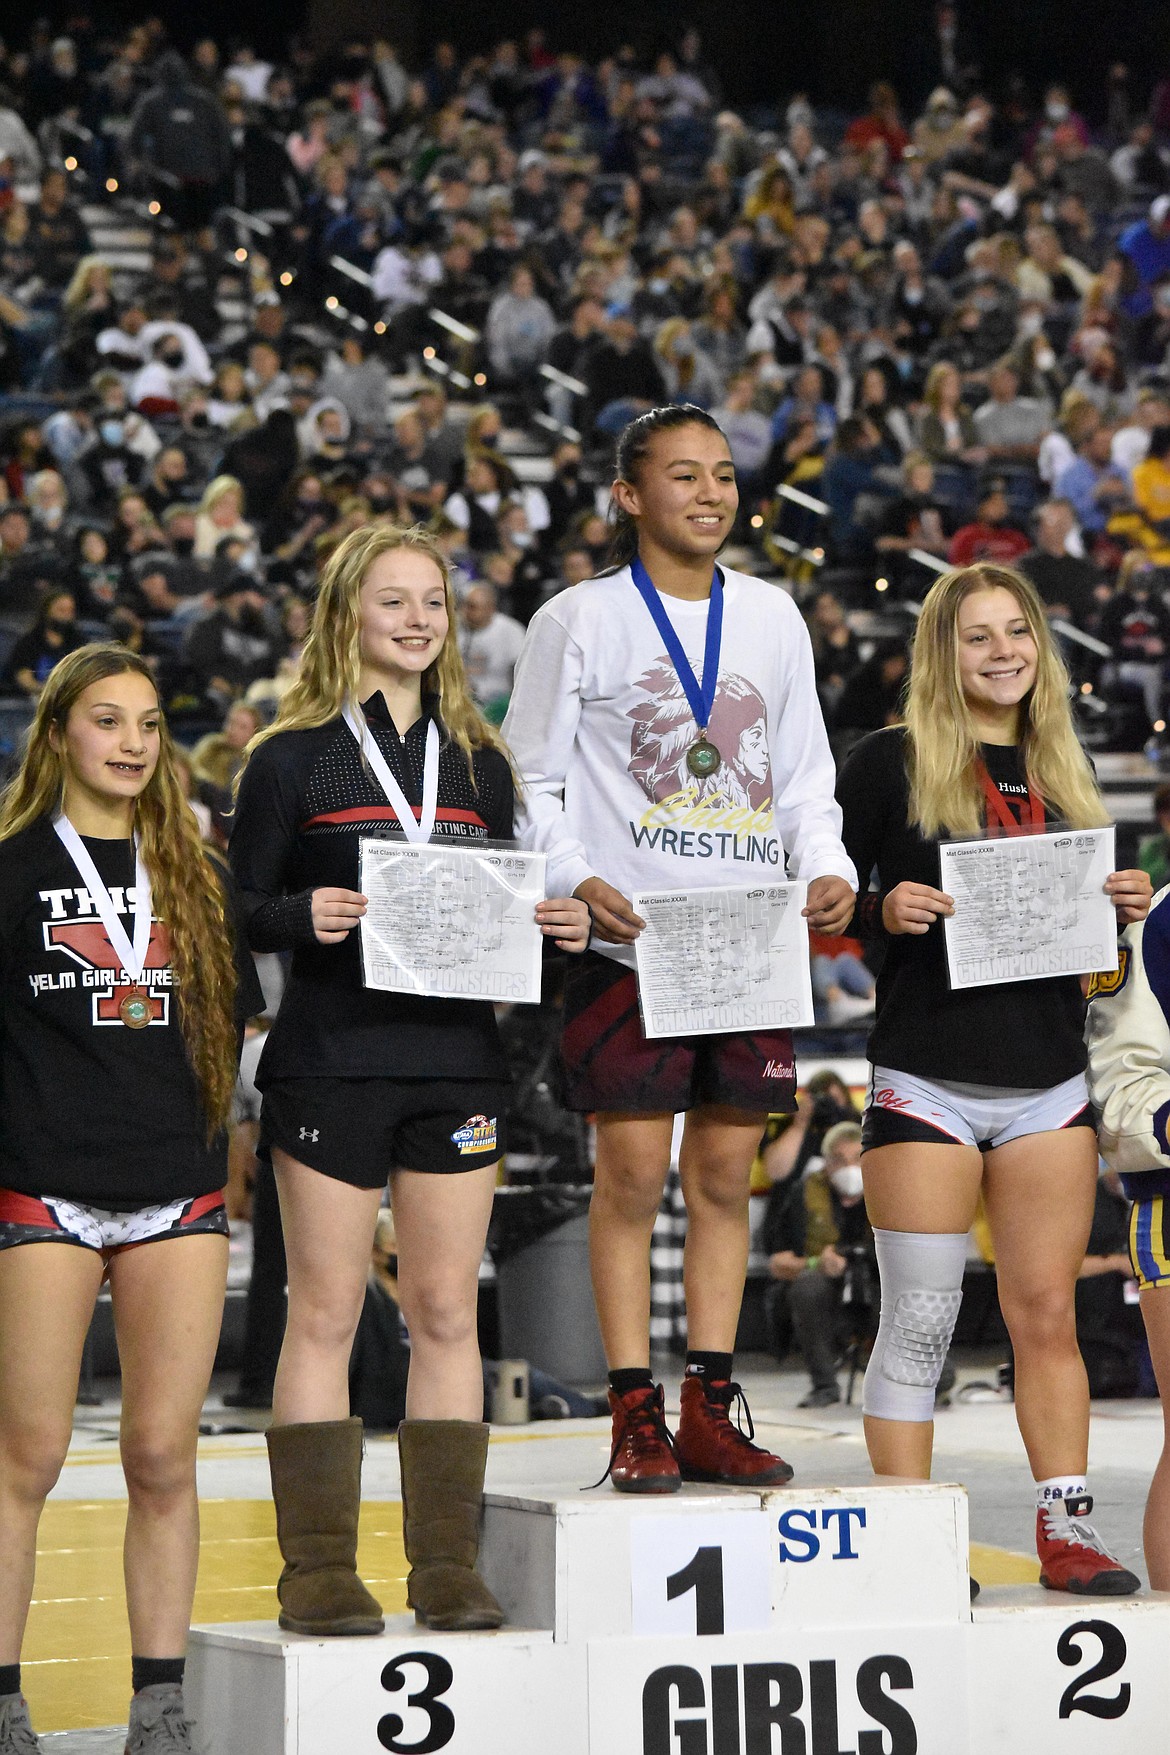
[{"x": 311, "y": 1134}]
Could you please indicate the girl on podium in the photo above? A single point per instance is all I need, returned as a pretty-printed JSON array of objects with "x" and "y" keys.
[
  {"x": 123, "y": 1012},
  {"x": 666, "y": 727},
  {"x": 979, "y": 1089},
  {"x": 362, "y": 1086}
]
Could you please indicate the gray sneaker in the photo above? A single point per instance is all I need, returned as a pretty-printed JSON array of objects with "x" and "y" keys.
[
  {"x": 158, "y": 1723},
  {"x": 16, "y": 1732}
]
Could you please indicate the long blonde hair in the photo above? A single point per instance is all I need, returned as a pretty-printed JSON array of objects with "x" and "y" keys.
[
  {"x": 331, "y": 659},
  {"x": 79, "y": 286},
  {"x": 186, "y": 893},
  {"x": 942, "y": 753}
]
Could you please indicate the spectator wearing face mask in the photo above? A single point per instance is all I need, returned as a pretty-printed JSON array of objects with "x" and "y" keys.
[
  {"x": 156, "y": 386},
  {"x": 237, "y": 643},
  {"x": 111, "y": 463},
  {"x": 819, "y": 1242},
  {"x": 184, "y": 354}
]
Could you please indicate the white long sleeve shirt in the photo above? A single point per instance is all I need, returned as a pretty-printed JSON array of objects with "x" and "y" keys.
[
  {"x": 600, "y": 727},
  {"x": 1128, "y": 1034}
]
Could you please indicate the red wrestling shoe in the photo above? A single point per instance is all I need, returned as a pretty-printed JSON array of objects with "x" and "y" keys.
[
  {"x": 1072, "y": 1555},
  {"x": 642, "y": 1458},
  {"x": 710, "y": 1448}
]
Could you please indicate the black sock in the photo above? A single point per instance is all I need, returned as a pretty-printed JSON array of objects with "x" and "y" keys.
[
  {"x": 9, "y": 1678},
  {"x": 637, "y": 1377},
  {"x": 150, "y": 1672},
  {"x": 715, "y": 1367}
]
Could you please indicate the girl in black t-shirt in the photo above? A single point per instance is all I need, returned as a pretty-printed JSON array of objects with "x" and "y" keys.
[
  {"x": 979, "y": 1089},
  {"x": 117, "y": 1067},
  {"x": 361, "y": 1085}
]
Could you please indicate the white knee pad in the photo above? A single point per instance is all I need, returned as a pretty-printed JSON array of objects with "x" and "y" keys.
[{"x": 922, "y": 1288}]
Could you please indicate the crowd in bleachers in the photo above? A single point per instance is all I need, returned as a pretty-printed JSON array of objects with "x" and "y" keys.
[{"x": 246, "y": 306}]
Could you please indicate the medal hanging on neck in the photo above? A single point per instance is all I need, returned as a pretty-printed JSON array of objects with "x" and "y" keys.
[
  {"x": 135, "y": 1007},
  {"x": 703, "y": 758},
  {"x": 1001, "y": 820},
  {"x": 422, "y": 829}
]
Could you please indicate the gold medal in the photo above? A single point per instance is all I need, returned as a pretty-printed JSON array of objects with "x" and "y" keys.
[
  {"x": 703, "y": 759},
  {"x": 134, "y": 1008}
]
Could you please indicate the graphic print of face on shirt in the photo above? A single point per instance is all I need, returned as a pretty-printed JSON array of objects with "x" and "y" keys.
[{"x": 664, "y": 729}]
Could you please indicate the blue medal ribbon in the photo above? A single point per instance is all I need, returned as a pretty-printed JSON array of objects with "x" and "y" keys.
[{"x": 701, "y": 696}]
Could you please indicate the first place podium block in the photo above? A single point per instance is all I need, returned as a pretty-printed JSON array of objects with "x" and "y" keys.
[{"x": 815, "y": 1621}]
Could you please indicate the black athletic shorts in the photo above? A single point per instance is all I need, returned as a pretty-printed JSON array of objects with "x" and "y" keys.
[
  {"x": 359, "y": 1130},
  {"x": 610, "y": 1065}
]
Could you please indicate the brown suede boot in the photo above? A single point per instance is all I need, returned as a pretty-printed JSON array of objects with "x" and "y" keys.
[
  {"x": 317, "y": 1486},
  {"x": 443, "y": 1463}
]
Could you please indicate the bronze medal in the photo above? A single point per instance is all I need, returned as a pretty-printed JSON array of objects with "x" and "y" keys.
[
  {"x": 703, "y": 759},
  {"x": 134, "y": 1008}
]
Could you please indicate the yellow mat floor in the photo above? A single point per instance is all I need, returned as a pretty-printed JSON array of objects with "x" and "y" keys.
[
  {"x": 76, "y": 1659},
  {"x": 76, "y": 1662}
]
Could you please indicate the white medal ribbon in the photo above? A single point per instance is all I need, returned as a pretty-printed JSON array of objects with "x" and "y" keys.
[
  {"x": 422, "y": 829},
  {"x": 131, "y": 955}
]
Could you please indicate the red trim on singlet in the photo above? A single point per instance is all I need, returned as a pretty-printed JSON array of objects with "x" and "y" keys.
[
  {"x": 202, "y": 1205},
  {"x": 25, "y": 1209},
  {"x": 369, "y": 813}
]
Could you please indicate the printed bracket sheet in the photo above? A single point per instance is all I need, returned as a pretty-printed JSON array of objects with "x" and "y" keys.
[
  {"x": 1028, "y": 907},
  {"x": 718, "y": 960},
  {"x": 451, "y": 922}
]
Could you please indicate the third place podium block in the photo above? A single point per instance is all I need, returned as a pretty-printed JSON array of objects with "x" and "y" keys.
[{"x": 815, "y": 1621}]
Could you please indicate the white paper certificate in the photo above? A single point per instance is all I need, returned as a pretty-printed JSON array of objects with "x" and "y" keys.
[
  {"x": 1029, "y": 906},
  {"x": 451, "y": 922},
  {"x": 711, "y": 961}
]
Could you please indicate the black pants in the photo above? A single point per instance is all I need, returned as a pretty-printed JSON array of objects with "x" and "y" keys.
[
  {"x": 267, "y": 1307},
  {"x": 810, "y": 1307}
]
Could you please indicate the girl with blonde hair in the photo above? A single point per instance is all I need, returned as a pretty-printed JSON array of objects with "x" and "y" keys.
[
  {"x": 980, "y": 1090},
  {"x": 378, "y": 733},
  {"x": 90, "y": 285},
  {"x": 122, "y": 1002},
  {"x": 220, "y": 514}
]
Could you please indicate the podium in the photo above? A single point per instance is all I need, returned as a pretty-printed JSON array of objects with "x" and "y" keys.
[{"x": 799, "y": 1621}]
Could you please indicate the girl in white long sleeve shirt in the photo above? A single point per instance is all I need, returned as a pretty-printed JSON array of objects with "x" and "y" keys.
[{"x": 600, "y": 726}]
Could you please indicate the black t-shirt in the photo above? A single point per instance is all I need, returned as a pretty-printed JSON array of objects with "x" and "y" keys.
[
  {"x": 1022, "y": 1035},
  {"x": 305, "y": 801},
  {"x": 90, "y": 1110}
]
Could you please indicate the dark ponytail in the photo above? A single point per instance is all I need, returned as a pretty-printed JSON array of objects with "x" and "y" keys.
[{"x": 632, "y": 446}]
